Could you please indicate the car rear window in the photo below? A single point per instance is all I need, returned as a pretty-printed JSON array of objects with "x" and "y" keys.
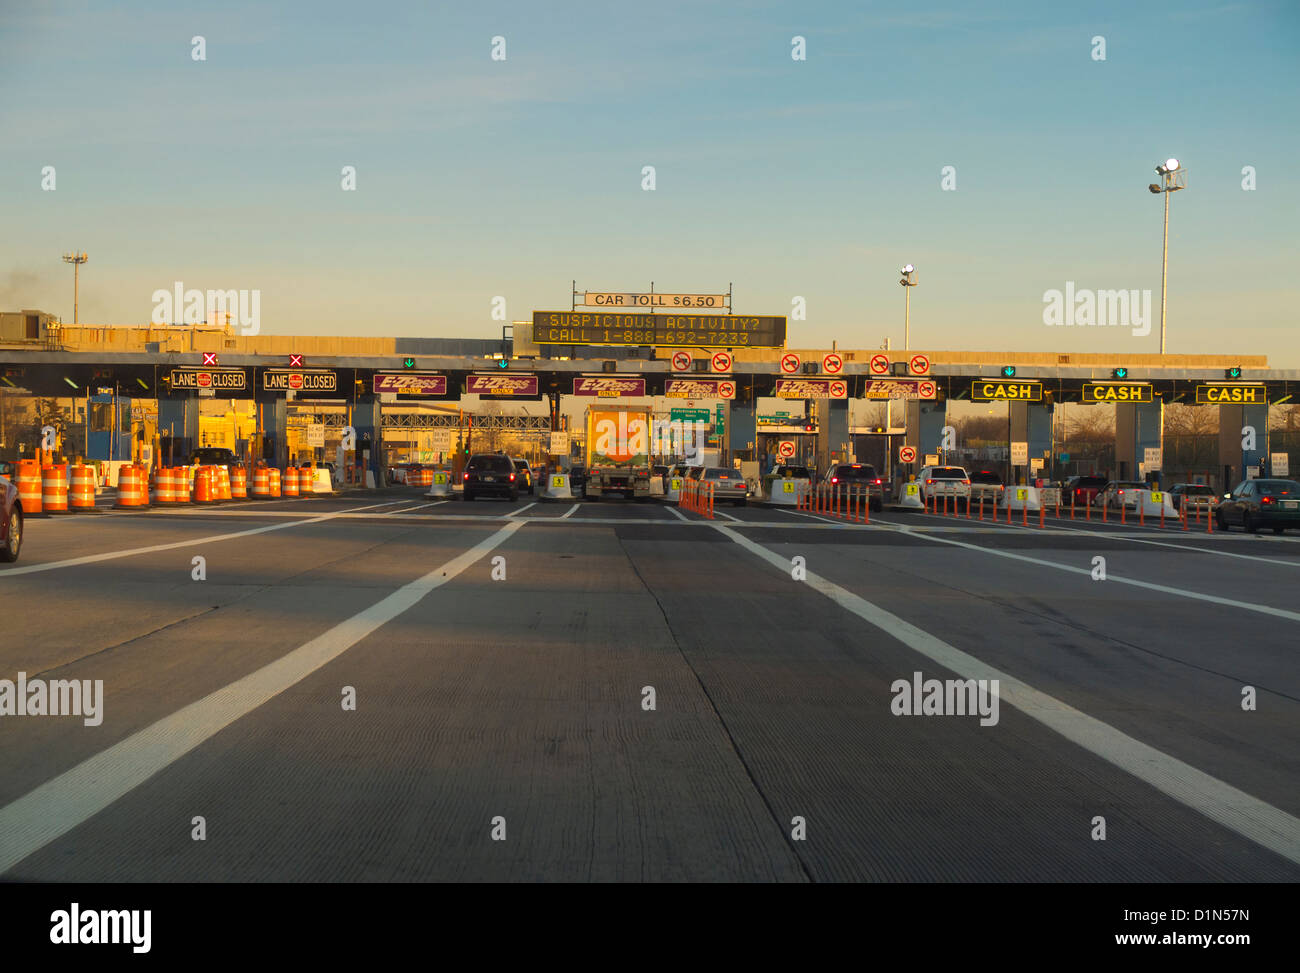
[
  {"x": 1089, "y": 481},
  {"x": 986, "y": 476},
  {"x": 855, "y": 471},
  {"x": 718, "y": 474},
  {"x": 794, "y": 472},
  {"x": 1277, "y": 488},
  {"x": 948, "y": 473},
  {"x": 489, "y": 464}
]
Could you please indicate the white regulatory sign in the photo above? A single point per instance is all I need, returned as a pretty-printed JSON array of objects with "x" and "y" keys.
[
  {"x": 1279, "y": 464},
  {"x": 1020, "y": 454},
  {"x": 559, "y": 444}
]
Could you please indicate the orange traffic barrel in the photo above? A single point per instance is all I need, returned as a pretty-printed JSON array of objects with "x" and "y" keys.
[
  {"x": 54, "y": 488},
  {"x": 81, "y": 495},
  {"x": 203, "y": 485},
  {"x": 181, "y": 483},
  {"x": 165, "y": 486},
  {"x": 275, "y": 481},
  {"x": 261, "y": 482},
  {"x": 238, "y": 483},
  {"x": 305, "y": 488},
  {"x": 223, "y": 476},
  {"x": 291, "y": 481},
  {"x": 28, "y": 482},
  {"x": 132, "y": 488}
]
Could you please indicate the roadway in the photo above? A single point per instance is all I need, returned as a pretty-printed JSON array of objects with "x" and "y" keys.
[{"x": 522, "y": 698}]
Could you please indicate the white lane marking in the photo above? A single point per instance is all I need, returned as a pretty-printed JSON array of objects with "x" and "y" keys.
[
  {"x": 678, "y": 514},
  {"x": 1217, "y": 800},
  {"x": 734, "y": 520},
  {"x": 404, "y": 510},
  {"x": 515, "y": 513},
  {"x": 1110, "y": 576},
  {"x": 61, "y": 804},
  {"x": 1179, "y": 547},
  {"x": 572, "y": 511},
  {"x": 210, "y": 539}
]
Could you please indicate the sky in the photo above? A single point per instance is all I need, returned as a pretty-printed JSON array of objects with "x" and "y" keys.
[{"x": 816, "y": 179}]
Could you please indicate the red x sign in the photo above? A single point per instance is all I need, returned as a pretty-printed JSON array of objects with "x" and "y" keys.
[
  {"x": 209, "y": 358},
  {"x": 295, "y": 361}
]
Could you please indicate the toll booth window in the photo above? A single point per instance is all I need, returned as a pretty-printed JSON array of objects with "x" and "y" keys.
[{"x": 101, "y": 417}]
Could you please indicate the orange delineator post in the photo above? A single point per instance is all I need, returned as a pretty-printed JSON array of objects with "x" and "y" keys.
[
  {"x": 81, "y": 496},
  {"x": 1024, "y": 514},
  {"x": 1209, "y": 522},
  {"x": 1142, "y": 512},
  {"x": 54, "y": 488},
  {"x": 1123, "y": 512},
  {"x": 1042, "y": 514},
  {"x": 981, "y": 506},
  {"x": 1087, "y": 510},
  {"x": 1162, "y": 513}
]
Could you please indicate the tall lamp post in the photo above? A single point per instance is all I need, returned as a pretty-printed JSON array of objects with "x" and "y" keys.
[
  {"x": 76, "y": 259},
  {"x": 908, "y": 281},
  {"x": 1173, "y": 177}
]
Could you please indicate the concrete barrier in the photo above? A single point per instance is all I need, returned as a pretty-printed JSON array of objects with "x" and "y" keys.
[
  {"x": 441, "y": 485},
  {"x": 656, "y": 485},
  {"x": 673, "y": 494},
  {"x": 912, "y": 496},
  {"x": 320, "y": 481},
  {"x": 557, "y": 487},
  {"x": 1151, "y": 503},
  {"x": 1022, "y": 498},
  {"x": 785, "y": 492}
]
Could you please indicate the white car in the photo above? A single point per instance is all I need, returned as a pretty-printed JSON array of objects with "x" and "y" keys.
[{"x": 944, "y": 481}]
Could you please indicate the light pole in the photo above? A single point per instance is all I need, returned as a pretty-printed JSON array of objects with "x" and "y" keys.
[
  {"x": 1173, "y": 177},
  {"x": 76, "y": 259},
  {"x": 908, "y": 282}
]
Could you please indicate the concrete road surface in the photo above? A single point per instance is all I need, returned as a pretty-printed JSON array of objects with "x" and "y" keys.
[{"x": 388, "y": 687}]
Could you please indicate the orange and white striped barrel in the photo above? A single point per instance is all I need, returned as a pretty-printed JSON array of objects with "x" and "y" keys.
[
  {"x": 81, "y": 495},
  {"x": 261, "y": 482},
  {"x": 203, "y": 485},
  {"x": 223, "y": 480},
  {"x": 165, "y": 486},
  {"x": 275, "y": 481},
  {"x": 54, "y": 488},
  {"x": 238, "y": 483},
  {"x": 181, "y": 484},
  {"x": 291, "y": 481},
  {"x": 28, "y": 482},
  {"x": 132, "y": 487},
  {"x": 305, "y": 488}
]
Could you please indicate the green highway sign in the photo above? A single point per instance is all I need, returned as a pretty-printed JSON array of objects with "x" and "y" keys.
[{"x": 689, "y": 415}]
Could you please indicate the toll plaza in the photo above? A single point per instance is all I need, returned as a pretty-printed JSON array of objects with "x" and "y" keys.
[{"x": 288, "y": 397}]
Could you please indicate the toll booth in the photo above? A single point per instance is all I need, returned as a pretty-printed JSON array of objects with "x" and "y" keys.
[{"x": 108, "y": 428}]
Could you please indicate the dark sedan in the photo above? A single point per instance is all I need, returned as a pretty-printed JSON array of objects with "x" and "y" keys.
[
  {"x": 1261, "y": 503},
  {"x": 490, "y": 475}
]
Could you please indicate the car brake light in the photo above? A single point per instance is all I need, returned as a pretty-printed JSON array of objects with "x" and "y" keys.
[
  {"x": 512, "y": 476},
  {"x": 1265, "y": 499},
  {"x": 835, "y": 479},
  {"x": 878, "y": 481},
  {"x": 965, "y": 482},
  {"x": 928, "y": 480}
]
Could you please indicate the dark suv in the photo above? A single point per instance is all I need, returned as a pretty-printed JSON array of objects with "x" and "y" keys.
[
  {"x": 491, "y": 475},
  {"x": 1083, "y": 490},
  {"x": 856, "y": 476}
]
